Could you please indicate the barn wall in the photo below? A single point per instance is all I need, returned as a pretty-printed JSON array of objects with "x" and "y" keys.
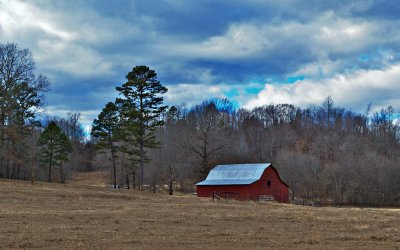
[
  {"x": 242, "y": 191},
  {"x": 277, "y": 189}
]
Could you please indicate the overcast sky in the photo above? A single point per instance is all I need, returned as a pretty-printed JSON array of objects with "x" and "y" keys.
[{"x": 253, "y": 52}]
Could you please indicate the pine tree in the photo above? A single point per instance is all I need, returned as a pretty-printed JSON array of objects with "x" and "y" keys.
[
  {"x": 105, "y": 130},
  {"x": 55, "y": 147},
  {"x": 128, "y": 133},
  {"x": 62, "y": 151},
  {"x": 142, "y": 92}
]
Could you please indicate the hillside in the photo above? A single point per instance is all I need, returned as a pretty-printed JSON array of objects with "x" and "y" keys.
[{"x": 78, "y": 215}]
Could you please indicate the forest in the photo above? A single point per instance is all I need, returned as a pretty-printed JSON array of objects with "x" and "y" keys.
[{"x": 324, "y": 152}]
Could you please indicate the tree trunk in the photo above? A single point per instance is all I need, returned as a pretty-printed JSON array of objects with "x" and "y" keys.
[
  {"x": 51, "y": 159},
  {"x": 171, "y": 189},
  {"x": 1, "y": 164},
  {"x": 127, "y": 180},
  {"x": 141, "y": 164},
  {"x": 62, "y": 179},
  {"x": 133, "y": 179},
  {"x": 13, "y": 170},
  {"x": 141, "y": 143},
  {"x": 33, "y": 158},
  {"x": 8, "y": 168},
  {"x": 114, "y": 168}
]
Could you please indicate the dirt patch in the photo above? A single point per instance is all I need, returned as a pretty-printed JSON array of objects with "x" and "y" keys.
[{"x": 80, "y": 216}]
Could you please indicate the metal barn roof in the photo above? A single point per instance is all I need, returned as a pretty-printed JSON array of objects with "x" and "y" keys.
[{"x": 236, "y": 174}]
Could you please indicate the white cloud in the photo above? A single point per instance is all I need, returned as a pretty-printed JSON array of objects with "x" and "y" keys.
[
  {"x": 354, "y": 90},
  {"x": 60, "y": 41},
  {"x": 190, "y": 94},
  {"x": 71, "y": 58},
  {"x": 320, "y": 68},
  {"x": 86, "y": 119},
  {"x": 324, "y": 35},
  {"x": 72, "y": 40},
  {"x": 242, "y": 40},
  {"x": 341, "y": 35},
  {"x": 18, "y": 18}
]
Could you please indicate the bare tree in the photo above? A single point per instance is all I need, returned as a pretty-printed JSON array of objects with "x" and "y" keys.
[
  {"x": 206, "y": 139},
  {"x": 22, "y": 95}
]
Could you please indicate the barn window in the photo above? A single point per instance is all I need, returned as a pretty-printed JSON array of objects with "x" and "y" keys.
[{"x": 268, "y": 183}]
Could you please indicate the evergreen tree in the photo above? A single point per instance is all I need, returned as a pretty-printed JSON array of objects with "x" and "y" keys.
[
  {"x": 55, "y": 147},
  {"x": 62, "y": 151},
  {"x": 105, "y": 129},
  {"x": 142, "y": 92},
  {"x": 128, "y": 133}
]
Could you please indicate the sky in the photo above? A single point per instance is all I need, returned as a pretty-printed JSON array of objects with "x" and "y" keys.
[{"x": 253, "y": 52}]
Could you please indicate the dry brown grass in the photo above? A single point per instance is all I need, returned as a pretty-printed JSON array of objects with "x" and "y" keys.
[{"x": 78, "y": 216}]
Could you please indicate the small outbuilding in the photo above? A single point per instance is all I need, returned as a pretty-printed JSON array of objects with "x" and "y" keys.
[{"x": 244, "y": 182}]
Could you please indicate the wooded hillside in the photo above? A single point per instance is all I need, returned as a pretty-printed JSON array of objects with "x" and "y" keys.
[{"x": 324, "y": 152}]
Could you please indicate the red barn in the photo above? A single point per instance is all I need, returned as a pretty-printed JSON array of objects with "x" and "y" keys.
[{"x": 244, "y": 182}]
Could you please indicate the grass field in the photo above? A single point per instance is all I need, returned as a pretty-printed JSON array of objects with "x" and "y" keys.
[{"x": 81, "y": 216}]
